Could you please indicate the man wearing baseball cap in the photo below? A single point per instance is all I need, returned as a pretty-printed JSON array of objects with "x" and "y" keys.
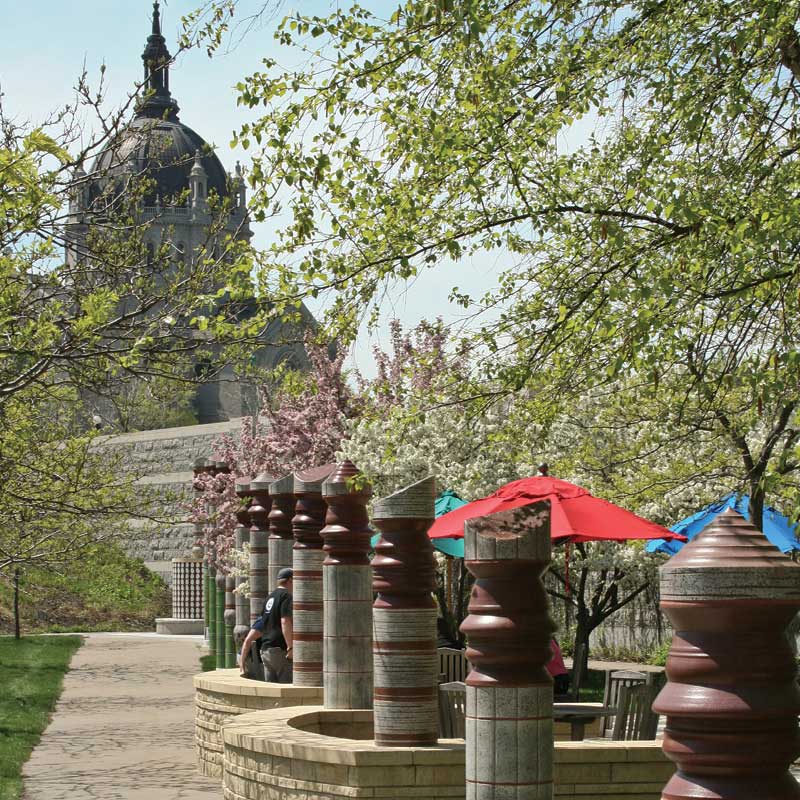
[{"x": 274, "y": 629}]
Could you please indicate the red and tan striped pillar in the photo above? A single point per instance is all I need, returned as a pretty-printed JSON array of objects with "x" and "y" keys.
[
  {"x": 241, "y": 538},
  {"x": 404, "y": 619},
  {"x": 509, "y": 726},
  {"x": 732, "y": 699},
  {"x": 308, "y": 521},
  {"x": 259, "y": 547},
  {"x": 347, "y": 591},
  {"x": 281, "y": 540}
]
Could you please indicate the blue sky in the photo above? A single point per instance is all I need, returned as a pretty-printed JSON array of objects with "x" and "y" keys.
[{"x": 46, "y": 43}]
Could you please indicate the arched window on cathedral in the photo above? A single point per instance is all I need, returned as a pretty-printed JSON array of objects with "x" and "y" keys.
[{"x": 151, "y": 253}]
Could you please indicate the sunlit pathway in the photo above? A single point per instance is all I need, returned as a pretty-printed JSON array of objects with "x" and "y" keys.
[{"x": 123, "y": 727}]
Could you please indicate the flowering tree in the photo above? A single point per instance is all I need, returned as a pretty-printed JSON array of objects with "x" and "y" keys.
[
  {"x": 410, "y": 427},
  {"x": 302, "y": 424}
]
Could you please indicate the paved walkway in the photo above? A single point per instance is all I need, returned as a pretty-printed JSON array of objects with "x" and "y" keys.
[{"x": 123, "y": 728}]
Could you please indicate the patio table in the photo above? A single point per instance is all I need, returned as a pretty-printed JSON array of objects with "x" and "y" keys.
[{"x": 579, "y": 715}]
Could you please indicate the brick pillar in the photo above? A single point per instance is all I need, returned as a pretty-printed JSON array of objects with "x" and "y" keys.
[
  {"x": 242, "y": 537},
  {"x": 731, "y": 700},
  {"x": 308, "y": 521},
  {"x": 259, "y": 551},
  {"x": 281, "y": 540},
  {"x": 404, "y": 619},
  {"x": 509, "y": 726},
  {"x": 347, "y": 592},
  {"x": 220, "y": 647}
]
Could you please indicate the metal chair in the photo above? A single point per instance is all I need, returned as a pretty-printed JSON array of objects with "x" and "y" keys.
[
  {"x": 635, "y": 718},
  {"x": 452, "y": 710},
  {"x": 615, "y": 682},
  {"x": 453, "y": 664}
]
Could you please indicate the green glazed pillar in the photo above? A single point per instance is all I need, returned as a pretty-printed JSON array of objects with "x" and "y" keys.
[
  {"x": 230, "y": 621},
  {"x": 212, "y": 609},
  {"x": 220, "y": 604}
]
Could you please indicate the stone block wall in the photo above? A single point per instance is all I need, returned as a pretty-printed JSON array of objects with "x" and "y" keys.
[
  {"x": 305, "y": 754},
  {"x": 163, "y": 461},
  {"x": 222, "y": 695}
]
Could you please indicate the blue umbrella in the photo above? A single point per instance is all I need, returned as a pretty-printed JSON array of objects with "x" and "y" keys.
[
  {"x": 446, "y": 502},
  {"x": 777, "y": 528}
]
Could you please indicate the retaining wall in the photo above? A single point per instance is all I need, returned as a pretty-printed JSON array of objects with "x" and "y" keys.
[
  {"x": 290, "y": 754},
  {"x": 222, "y": 695}
]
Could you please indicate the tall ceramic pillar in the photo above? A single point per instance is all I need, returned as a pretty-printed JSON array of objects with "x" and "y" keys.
[
  {"x": 259, "y": 550},
  {"x": 347, "y": 592},
  {"x": 281, "y": 493},
  {"x": 230, "y": 621},
  {"x": 509, "y": 725},
  {"x": 731, "y": 700},
  {"x": 241, "y": 538},
  {"x": 220, "y": 644},
  {"x": 212, "y": 608},
  {"x": 198, "y": 470},
  {"x": 404, "y": 619},
  {"x": 308, "y": 521}
]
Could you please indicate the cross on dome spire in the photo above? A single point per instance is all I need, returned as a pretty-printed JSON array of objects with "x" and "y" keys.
[{"x": 157, "y": 101}]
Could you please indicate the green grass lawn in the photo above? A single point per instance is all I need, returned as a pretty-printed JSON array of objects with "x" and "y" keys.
[{"x": 31, "y": 675}]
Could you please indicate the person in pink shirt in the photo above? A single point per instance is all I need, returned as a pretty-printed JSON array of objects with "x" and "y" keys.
[{"x": 558, "y": 670}]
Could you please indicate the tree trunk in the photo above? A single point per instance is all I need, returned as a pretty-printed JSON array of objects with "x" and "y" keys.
[
  {"x": 757, "y": 506},
  {"x": 16, "y": 604},
  {"x": 580, "y": 656}
]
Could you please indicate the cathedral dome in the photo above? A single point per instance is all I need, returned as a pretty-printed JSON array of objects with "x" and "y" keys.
[
  {"x": 163, "y": 151},
  {"x": 156, "y": 145}
]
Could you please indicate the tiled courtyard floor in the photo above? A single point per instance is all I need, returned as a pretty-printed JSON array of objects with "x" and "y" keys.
[{"x": 124, "y": 726}]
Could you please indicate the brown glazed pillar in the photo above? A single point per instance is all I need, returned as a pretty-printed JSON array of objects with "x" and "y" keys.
[
  {"x": 308, "y": 521},
  {"x": 347, "y": 592},
  {"x": 732, "y": 699},
  {"x": 509, "y": 725},
  {"x": 242, "y": 537},
  {"x": 404, "y": 619},
  {"x": 281, "y": 540},
  {"x": 259, "y": 548}
]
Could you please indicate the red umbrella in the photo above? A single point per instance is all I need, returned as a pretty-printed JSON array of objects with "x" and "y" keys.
[{"x": 575, "y": 515}]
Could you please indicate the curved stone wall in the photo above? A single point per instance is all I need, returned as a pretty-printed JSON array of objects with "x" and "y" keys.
[
  {"x": 307, "y": 754},
  {"x": 222, "y": 695}
]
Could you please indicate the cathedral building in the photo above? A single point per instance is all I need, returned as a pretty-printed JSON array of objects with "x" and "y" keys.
[{"x": 187, "y": 205}]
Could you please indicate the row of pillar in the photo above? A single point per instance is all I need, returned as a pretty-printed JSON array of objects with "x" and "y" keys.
[{"x": 731, "y": 702}]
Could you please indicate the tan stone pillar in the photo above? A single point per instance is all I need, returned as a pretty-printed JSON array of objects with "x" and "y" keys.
[
  {"x": 347, "y": 592},
  {"x": 259, "y": 548},
  {"x": 281, "y": 540},
  {"x": 308, "y": 521},
  {"x": 732, "y": 699},
  {"x": 509, "y": 725},
  {"x": 404, "y": 619},
  {"x": 242, "y": 537}
]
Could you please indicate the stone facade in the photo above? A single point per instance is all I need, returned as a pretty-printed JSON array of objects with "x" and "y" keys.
[{"x": 164, "y": 459}]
